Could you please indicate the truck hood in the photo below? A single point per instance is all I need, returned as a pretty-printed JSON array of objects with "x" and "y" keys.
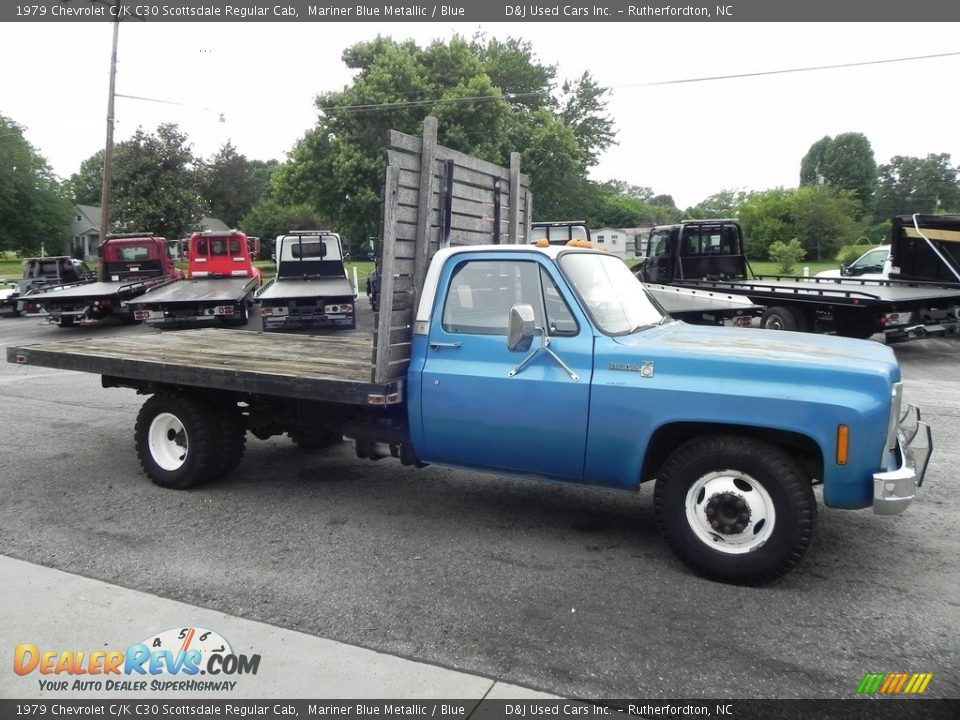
[{"x": 790, "y": 352}]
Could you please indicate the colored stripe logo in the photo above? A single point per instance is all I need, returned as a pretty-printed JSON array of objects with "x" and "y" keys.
[{"x": 894, "y": 683}]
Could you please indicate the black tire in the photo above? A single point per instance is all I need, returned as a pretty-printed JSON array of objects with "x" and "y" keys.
[
  {"x": 178, "y": 440},
  {"x": 315, "y": 440},
  {"x": 735, "y": 509},
  {"x": 232, "y": 441},
  {"x": 780, "y": 317}
]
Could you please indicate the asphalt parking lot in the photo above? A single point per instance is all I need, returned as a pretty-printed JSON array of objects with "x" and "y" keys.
[{"x": 561, "y": 589}]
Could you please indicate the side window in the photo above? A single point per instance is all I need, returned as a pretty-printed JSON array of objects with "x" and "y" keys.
[
  {"x": 658, "y": 244},
  {"x": 202, "y": 247},
  {"x": 234, "y": 246},
  {"x": 481, "y": 293},
  {"x": 875, "y": 258},
  {"x": 560, "y": 321}
]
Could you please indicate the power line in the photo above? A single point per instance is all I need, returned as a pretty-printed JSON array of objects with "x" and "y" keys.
[
  {"x": 402, "y": 105},
  {"x": 812, "y": 68}
]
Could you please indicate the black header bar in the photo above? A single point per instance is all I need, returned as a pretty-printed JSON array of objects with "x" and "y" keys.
[{"x": 403, "y": 11}]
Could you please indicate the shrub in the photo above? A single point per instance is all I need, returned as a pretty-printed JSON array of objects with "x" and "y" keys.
[{"x": 786, "y": 255}]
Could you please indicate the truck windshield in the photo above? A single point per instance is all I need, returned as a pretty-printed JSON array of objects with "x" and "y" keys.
[{"x": 615, "y": 299}]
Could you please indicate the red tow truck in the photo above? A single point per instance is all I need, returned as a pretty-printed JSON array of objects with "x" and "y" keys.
[
  {"x": 219, "y": 287},
  {"x": 130, "y": 266}
]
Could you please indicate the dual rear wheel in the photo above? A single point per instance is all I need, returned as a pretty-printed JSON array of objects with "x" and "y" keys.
[{"x": 184, "y": 440}]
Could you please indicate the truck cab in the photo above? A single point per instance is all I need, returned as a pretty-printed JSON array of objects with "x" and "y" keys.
[
  {"x": 47, "y": 272},
  {"x": 136, "y": 257},
  {"x": 874, "y": 264},
  {"x": 312, "y": 288},
  {"x": 693, "y": 249},
  {"x": 219, "y": 254},
  {"x": 55, "y": 270},
  {"x": 587, "y": 380}
]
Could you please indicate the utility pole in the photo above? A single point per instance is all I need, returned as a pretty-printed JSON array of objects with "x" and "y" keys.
[{"x": 108, "y": 148}]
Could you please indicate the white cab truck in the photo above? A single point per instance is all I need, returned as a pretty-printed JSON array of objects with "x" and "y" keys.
[{"x": 312, "y": 288}]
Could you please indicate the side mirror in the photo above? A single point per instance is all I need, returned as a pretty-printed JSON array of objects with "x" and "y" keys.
[{"x": 522, "y": 328}]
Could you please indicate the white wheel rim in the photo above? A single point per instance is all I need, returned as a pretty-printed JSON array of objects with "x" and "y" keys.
[
  {"x": 168, "y": 443},
  {"x": 730, "y": 512}
]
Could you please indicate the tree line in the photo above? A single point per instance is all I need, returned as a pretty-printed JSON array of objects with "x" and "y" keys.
[{"x": 491, "y": 97}]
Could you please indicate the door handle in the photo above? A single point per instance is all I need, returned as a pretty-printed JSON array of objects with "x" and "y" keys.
[{"x": 445, "y": 346}]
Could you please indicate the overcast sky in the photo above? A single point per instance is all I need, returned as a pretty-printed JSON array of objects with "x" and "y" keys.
[{"x": 688, "y": 140}]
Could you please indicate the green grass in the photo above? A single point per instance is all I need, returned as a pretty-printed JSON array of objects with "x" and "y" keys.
[{"x": 770, "y": 268}]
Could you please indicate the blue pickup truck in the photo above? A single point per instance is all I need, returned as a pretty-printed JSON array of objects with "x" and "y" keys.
[{"x": 551, "y": 362}]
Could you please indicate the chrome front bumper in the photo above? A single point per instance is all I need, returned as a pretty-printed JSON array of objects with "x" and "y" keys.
[{"x": 894, "y": 490}]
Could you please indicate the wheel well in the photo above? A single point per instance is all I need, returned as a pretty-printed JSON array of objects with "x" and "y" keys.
[{"x": 668, "y": 438}]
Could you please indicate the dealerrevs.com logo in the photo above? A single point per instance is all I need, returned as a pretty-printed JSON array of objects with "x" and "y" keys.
[{"x": 186, "y": 659}]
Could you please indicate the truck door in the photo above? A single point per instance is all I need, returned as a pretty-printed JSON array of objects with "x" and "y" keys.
[
  {"x": 657, "y": 267},
  {"x": 473, "y": 412}
]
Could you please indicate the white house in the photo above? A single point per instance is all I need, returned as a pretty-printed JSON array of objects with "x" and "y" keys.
[{"x": 84, "y": 233}]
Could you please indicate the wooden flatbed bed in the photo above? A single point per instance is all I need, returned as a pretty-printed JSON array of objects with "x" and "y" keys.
[{"x": 329, "y": 368}]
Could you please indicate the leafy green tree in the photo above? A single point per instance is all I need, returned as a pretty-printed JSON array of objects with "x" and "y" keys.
[
  {"x": 581, "y": 108},
  {"x": 723, "y": 204},
  {"x": 823, "y": 220},
  {"x": 490, "y": 98},
  {"x": 917, "y": 185},
  {"x": 86, "y": 187},
  {"x": 814, "y": 162},
  {"x": 820, "y": 217},
  {"x": 231, "y": 185},
  {"x": 267, "y": 219},
  {"x": 845, "y": 162},
  {"x": 765, "y": 218},
  {"x": 155, "y": 185},
  {"x": 33, "y": 208}
]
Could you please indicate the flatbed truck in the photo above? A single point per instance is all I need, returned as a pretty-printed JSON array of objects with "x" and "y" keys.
[
  {"x": 130, "y": 266},
  {"x": 543, "y": 362},
  {"x": 708, "y": 256},
  {"x": 219, "y": 288},
  {"x": 311, "y": 288}
]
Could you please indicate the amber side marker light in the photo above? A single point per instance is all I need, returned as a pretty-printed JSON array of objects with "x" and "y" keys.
[{"x": 843, "y": 444}]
